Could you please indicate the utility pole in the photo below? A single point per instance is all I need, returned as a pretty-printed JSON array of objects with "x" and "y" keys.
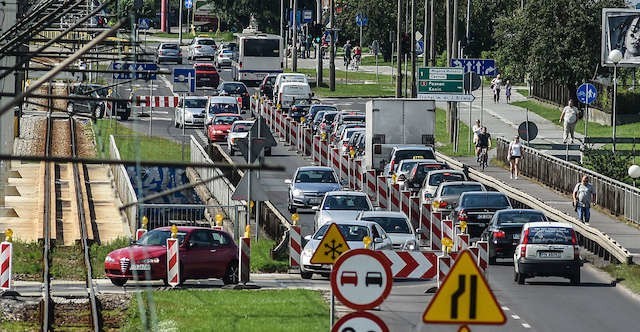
[
  {"x": 282, "y": 20},
  {"x": 432, "y": 33},
  {"x": 294, "y": 55},
  {"x": 319, "y": 44},
  {"x": 399, "y": 51},
  {"x": 332, "y": 47},
  {"x": 424, "y": 43},
  {"x": 180, "y": 22},
  {"x": 414, "y": 91}
]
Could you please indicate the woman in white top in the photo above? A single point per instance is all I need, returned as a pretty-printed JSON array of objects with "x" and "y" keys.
[
  {"x": 477, "y": 129},
  {"x": 515, "y": 153}
]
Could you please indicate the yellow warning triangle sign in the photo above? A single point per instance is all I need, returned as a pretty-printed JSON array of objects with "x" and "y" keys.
[
  {"x": 330, "y": 247},
  {"x": 465, "y": 297}
]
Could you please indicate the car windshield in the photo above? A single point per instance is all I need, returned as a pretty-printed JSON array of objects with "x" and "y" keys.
[
  {"x": 195, "y": 103},
  {"x": 407, "y": 165},
  {"x": 350, "y": 232},
  {"x": 318, "y": 116},
  {"x": 225, "y": 120},
  {"x": 325, "y": 108},
  {"x": 438, "y": 178},
  {"x": 315, "y": 176},
  {"x": 391, "y": 224},
  {"x": 234, "y": 88},
  {"x": 550, "y": 235},
  {"x": 218, "y": 108},
  {"x": 349, "y": 133},
  {"x": 170, "y": 46},
  {"x": 519, "y": 217},
  {"x": 485, "y": 201},
  {"x": 457, "y": 190},
  {"x": 158, "y": 238},
  {"x": 328, "y": 117},
  {"x": 206, "y": 42},
  {"x": 423, "y": 169},
  {"x": 241, "y": 127},
  {"x": 353, "y": 118},
  {"x": 205, "y": 67},
  {"x": 408, "y": 154},
  {"x": 227, "y": 52},
  {"x": 346, "y": 202}
]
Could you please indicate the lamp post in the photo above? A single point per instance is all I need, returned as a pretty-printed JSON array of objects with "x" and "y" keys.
[{"x": 615, "y": 56}]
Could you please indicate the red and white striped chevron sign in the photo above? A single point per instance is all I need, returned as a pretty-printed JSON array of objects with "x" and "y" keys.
[
  {"x": 6, "y": 249},
  {"x": 412, "y": 264},
  {"x": 173, "y": 262}
]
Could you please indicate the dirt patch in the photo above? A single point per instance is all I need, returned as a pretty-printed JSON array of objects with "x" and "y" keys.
[
  {"x": 61, "y": 141},
  {"x": 84, "y": 139}
]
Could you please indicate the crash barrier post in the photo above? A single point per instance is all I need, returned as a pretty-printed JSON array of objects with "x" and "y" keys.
[
  {"x": 462, "y": 241},
  {"x": 295, "y": 247},
  {"x": 173, "y": 258},
  {"x": 6, "y": 256},
  {"x": 412, "y": 264},
  {"x": 444, "y": 265},
  {"x": 483, "y": 255},
  {"x": 382, "y": 190},
  {"x": 245, "y": 255}
]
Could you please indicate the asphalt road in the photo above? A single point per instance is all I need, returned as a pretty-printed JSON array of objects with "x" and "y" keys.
[{"x": 543, "y": 304}]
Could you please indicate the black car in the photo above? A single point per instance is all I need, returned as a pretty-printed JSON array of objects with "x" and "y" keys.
[
  {"x": 235, "y": 89},
  {"x": 87, "y": 100},
  {"x": 415, "y": 177},
  {"x": 266, "y": 87},
  {"x": 299, "y": 109},
  {"x": 477, "y": 208},
  {"x": 316, "y": 109},
  {"x": 503, "y": 233}
]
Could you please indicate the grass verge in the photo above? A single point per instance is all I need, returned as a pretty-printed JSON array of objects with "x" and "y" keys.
[
  {"x": 261, "y": 260},
  {"x": 350, "y": 75},
  {"x": 442, "y": 137},
  {"x": 134, "y": 146},
  {"x": 27, "y": 261},
  {"x": 356, "y": 90},
  {"x": 524, "y": 92},
  {"x": 268, "y": 310},
  {"x": 629, "y": 273}
]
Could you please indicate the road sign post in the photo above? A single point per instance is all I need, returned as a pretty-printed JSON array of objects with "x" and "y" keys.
[
  {"x": 184, "y": 80},
  {"x": 587, "y": 94}
]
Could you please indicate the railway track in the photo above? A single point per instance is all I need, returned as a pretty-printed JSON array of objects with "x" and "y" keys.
[{"x": 66, "y": 219}]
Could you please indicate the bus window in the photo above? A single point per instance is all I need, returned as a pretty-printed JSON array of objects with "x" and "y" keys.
[{"x": 262, "y": 47}]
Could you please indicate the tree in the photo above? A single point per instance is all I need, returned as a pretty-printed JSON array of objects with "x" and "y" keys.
[{"x": 551, "y": 40}]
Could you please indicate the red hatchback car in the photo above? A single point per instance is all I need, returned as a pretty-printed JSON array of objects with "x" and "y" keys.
[
  {"x": 218, "y": 127},
  {"x": 206, "y": 75},
  {"x": 204, "y": 253}
]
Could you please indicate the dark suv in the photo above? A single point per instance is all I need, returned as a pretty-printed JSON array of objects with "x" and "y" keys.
[
  {"x": 98, "y": 108},
  {"x": 419, "y": 172},
  {"x": 477, "y": 209}
]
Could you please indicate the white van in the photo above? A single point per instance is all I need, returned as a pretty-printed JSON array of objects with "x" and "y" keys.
[
  {"x": 288, "y": 77},
  {"x": 222, "y": 104},
  {"x": 290, "y": 91}
]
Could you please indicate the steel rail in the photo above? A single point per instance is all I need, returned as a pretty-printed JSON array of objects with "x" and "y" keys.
[{"x": 45, "y": 305}]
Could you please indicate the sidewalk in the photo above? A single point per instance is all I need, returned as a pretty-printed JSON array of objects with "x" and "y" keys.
[{"x": 502, "y": 120}]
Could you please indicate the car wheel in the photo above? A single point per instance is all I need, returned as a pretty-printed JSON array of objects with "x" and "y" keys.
[
  {"x": 575, "y": 279},
  {"x": 306, "y": 275},
  {"x": 125, "y": 116},
  {"x": 119, "y": 281},
  {"x": 98, "y": 112},
  {"x": 231, "y": 274},
  {"x": 492, "y": 260},
  {"x": 520, "y": 278}
]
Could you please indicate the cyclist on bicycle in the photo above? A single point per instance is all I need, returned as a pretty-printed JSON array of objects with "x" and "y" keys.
[
  {"x": 347, "y": 53},
  {"x": 357, "y": 55},
  {"x": 483, "y": 142}
]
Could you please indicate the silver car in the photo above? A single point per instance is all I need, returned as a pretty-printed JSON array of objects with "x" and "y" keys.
[
  {"x": 202, "y": 47},
  {"x": 341, "y": 205},
  {"x": 224, "y": 58},
  {"x": 448, "y": 193},
  {"x": 397, "y": 226},
  {"x": 191, "y": 111},
  {"x": 308, "y": 186}
]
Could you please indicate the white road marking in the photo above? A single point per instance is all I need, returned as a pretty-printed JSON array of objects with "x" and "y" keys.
[
  {"x": 505, "y": 308},
  {"x": 515, "y": 316},
  {"x": 525, "y": 325}
]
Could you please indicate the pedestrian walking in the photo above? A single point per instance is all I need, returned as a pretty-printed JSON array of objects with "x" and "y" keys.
[
  {"x": 583, "y": 197},
  {"x": 569, "y": 117},
  {"x": 507, "y": 91},
  {"x": 477, "y": 129},
  {"x": 514, "y": 156},
  {"x": 496, "y": 85}
]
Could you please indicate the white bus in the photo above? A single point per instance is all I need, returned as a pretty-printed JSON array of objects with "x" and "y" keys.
[{"x": 259, "y": 54}]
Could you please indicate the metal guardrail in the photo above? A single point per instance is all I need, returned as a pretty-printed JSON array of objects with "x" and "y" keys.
[
  {"x": 592, "y": 239},
  {"x": 619, "y": 198},
  {"x": 123, "y": 186}
]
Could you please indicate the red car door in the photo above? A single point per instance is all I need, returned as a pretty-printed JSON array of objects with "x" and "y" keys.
[
  {"x": 196, "y": 257},
  {"x": 223, "y": 252}
]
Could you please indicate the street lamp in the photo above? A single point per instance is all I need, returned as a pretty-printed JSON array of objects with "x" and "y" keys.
[
  {"x": 634, "y": 173},
  {"x": 615, "y": 56}
]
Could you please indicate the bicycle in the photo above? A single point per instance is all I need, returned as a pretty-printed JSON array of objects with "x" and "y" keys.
[
  {"x": 483, "y": 158},
  {"x": 356, "y": 62}
]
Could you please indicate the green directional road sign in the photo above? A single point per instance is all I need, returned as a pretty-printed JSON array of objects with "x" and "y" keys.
[{"x": 441, "y": 80}]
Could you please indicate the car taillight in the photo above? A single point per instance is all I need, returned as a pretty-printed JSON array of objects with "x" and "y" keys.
[
  {"x": 574, "y": 238},
  {"x": 198, "y": 46},
  {"x": 440, "y": 204},
  {"x": 462, "y": 216},
  {"x": 525, "y": 237},
  {"x": 233, "y": 139},
  {"x": 240, "y": 100},
  {"x": 393, "y": 163},
  {"x": 240, "y": 64},
  {"x": 499, "y": 235},
  {"x": 576, "y": 248},
  {"x": 280, "y": 96},
  {"x": 523, "y": 251}
]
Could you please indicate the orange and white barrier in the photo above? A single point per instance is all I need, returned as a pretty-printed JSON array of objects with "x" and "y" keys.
[
  {"x": 140, "y": 232},
  {"x": 173, "y": 262},
  {"x": 295, "y": 247},
  {"x": 412, "y": 264},
  {"x": 6, "y": 251},
  {"x": 462, "y": 241},
  {"x": 156, "y": 101},
  {"x": 244, "y": 255},
  {"x": 444, "y": 266},
  {"x": 483, "y": 255}
]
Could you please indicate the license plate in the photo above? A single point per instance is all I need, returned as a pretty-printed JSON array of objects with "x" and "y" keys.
[
  {"x": 204, "y": 79},
  {"x": 484, "y": 216},
  {"x": 549, "y": 254},
  {"x": 261, "y": 75},
  {"x": 516, "y": 236},
  {"x": 314, "y": 201},
  {"x": 140, "y": 267}
]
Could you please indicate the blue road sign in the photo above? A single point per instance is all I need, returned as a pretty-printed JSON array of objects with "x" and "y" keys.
[
  {"x": 184, "y": 80},
  {"x": 144, "y": 23},
  {"x": 419, "y": 47},
  {"x": 138, "y": 70},
  {"x": 307, "y": 16},
  {"x": 361, "y": 20},
  {"x": 587, "y": 93},
  {"x": 482, "y": 67},
  {"x": 188, "y": 4}
]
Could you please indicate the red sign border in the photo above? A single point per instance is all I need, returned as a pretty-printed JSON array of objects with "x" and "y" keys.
[
  {"x": 363, "y": 314},
  {"x": 387, "y": 270}
]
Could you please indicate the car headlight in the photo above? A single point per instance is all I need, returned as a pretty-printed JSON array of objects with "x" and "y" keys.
[
  {"x": 298, "y": 192},
  {"x": 155, "y": 260},
  {"x": 307, "y": 252},
  {"x": 109, "y": 259},
  {"x": 219, "y": 132},
  {"x": 188, "y": 115},
  {"x": 410, "y": 245}
]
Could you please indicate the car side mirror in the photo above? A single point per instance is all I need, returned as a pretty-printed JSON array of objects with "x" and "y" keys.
[
  {"x": 315, "y": 208},
  {"x": 378, "y": 208},
  {"x": 132, "y": 241},
  {"x": 402, "y": 177},
  {"x": 287, "y": 181},
  {"x": 209, "y": 122},
  {"x": 419, "y": 231},
  {"x": 192, "y": 244},
  {"x": 243, "y": 112},
  {"x": 378, "y": 240},
  {"x": 344, "y": 182}
]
